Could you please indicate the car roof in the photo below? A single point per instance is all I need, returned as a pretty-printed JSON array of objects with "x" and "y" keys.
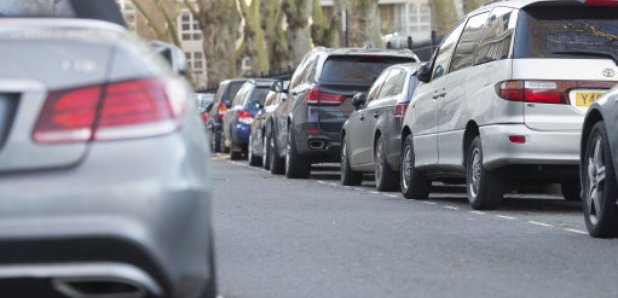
[
  {"x": 262, "y": 82},
  {"x": 525, "y": 3},
  {"x": 238, "y": 80},
  {"x": 404, "y": 53},
  {"x": 409, "y": 67}
]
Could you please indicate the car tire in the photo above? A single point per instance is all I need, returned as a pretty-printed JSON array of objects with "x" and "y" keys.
[
  {"x": 485, "y": 188},
  {"x": 223, "y": 148},
  {"x": 210, "y": 290},
  {"x": 215, "y": 141},
  {"x": 600, "y": 191},
  {"x": 348, "y": 176},
  {"x": 265, "y": 152},
  {"x": 277, "y": 163},
  {"x": 571, "y": 190},
  {"x": 414, "y": 185},
  {"x": 386, "y": 179},
  {"x": 235, "y": 153},
  {"x": 296, "y": 167},
  {"x": 254, "y": 161}
]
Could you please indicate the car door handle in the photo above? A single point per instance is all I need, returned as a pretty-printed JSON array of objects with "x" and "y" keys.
[
  {"x": 443, "y": 94},
  {"x": 376, "y": 115}
]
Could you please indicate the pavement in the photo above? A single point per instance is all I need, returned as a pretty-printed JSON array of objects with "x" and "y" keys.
[{"x": 276, "y": 237}]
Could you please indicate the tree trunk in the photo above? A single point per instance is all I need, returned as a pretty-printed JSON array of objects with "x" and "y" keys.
[
  {"x": 363, "y": 22},
  {"x": 443, "y": 16},
  {"x": 276, "y": 38},
  {"x": 253, "y": 45},
  {"x": 297, "y": 13},
  {"x": 323, "y": 33}
]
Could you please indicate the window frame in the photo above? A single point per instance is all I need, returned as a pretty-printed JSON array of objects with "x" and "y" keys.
[
  {"x": 437, "y": 54},
  {"x": 476, "y": 44}
]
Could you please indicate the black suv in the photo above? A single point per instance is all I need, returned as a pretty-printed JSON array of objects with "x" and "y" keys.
[
  {"x": 307, "y": 126},
  {"x": 223, "y": 101}
]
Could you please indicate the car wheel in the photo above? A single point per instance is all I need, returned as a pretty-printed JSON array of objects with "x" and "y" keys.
[
  {"x": 277, "y": 164},
  {"x": 571, "y": 190},
  {"x": 254, "y": 161},
  {"x": 414, "y": 185},
  {"x": 223, "y": 148},
  {"x": 215, "y": 141},
  {"x": 386, "y": 179},
  {"x": 235, "y": 152},
  {"x": 348, "y": 176},
  {"x": 485, "y": 188},
  {"x": 599, "y": 184},
  {"x": 265, "y": 152},
  {"x": 296, "y": 167}
]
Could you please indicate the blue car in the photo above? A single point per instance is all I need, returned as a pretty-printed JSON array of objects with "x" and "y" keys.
[{"x": 238, "y": 119}]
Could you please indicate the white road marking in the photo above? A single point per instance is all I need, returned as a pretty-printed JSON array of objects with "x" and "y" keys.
[
  {"x": 390, "y": 195},
  {"x": 358, "y": 189},
  {"x": 506, "y": 217},
  {"x": 451, "y": 207},
  {"x": 347, "y": 186},
  {"x": 321, "y": 182},
  {"x": 477, "y": 212},
  {"x": 541, "y": 224},
  {"x": 333, "y": 184},
  {"x": 375, "y": 192},
  {"x": 576, "y": 231},
  {"x": 429, "y": 203}
]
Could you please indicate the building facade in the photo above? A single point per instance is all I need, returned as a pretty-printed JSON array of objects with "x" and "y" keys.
[{"x": 186, "y": 27}]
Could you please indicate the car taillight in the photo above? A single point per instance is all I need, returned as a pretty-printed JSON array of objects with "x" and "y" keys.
[
  {"x": 221, "y": 110},
  {"x": 245, "y": 116},
  {"x": 400, "y": 110},
  {"x": 553, "y": 92},
  {"x": 602, "y": 2},
  {"x": 127, "y": 109},
  {"x": 205, "y": 117},
  {"x": 316, "y": 97}
]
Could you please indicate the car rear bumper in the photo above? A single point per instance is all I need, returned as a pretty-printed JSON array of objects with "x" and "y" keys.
[
  {"x": 143, "y": 218},
  {"x": 240, "y": 133},
  {"x": 318, "y": 146},
  {"x": 540, "y": 147}
]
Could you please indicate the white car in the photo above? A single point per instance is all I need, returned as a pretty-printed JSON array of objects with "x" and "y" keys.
[{"x": 503, "y": 100}]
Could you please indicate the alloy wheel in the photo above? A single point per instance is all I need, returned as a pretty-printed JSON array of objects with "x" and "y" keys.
[
  {"x": 407, "y": 166},
  {"x": 378, "y": 161},
  {"x": 595, "y": 180},
  {"x": 475, "y": 172}
]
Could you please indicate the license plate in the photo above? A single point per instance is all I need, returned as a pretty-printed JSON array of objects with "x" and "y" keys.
[{"x": 587, "y": 98}]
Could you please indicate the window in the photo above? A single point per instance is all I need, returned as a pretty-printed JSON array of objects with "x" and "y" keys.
[
  {"x": 419, "y": 18},
  {"x": 393, "y": 84},
  {"x": 299, "y": 74},
  {"x": 496, "y": 41},
  {"x": 242, "y": 93},
  {"x": 443, "y": 59},
  {"x": 188, "y": 26},
  {"x": 377, "y": 86},
  {"x": 196, "y": 62},
  {"x": 466, "y": 48},
  {"x": 357, "y": 69}
]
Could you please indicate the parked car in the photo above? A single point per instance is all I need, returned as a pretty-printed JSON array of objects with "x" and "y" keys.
[
  {"x": 105, "y": 189},
  {"x": 238, "y": 119},
  {"x": 371, "y": 137},
  {"x": 258, "y": 139},
  {"x": 599, "y": 151},
  {"x": 223, "y": 101},
  {"x": 204, "y": 103},
  {"x": 504, "y": 99},
  {"x": 308, "y": 124}
]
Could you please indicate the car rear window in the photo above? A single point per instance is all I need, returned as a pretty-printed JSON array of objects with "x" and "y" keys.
[
  {"x": 259, "y": 95},
  {"x": 232, "y": 90},
  {"x": 358, "y": 70},
  {"x": 549, "y": 33}
]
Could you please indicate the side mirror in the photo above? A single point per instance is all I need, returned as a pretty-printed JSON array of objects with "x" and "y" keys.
[
  {"x": 277, "y": 87},
  {"x": 424, "y": 73},
  {"x": 173, "y": 55},
  {"x": 358, "y": 101}
]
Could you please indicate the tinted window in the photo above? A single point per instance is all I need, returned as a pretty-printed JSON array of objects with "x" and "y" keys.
[
  {"x": 231, "y": 91},
  {"x": 355, "y": 69},
  {"x": 547, "y": 32},
  {"x": 310, "y": 73},
  {"x": 377, "y": 86},
  {"x": 257, "y": 96},
  {"x": 38, "y": 8},
  {"x": 242, "y": 94},
  {"x": 466, "y": 48},
  {"x": 445, "y": 52},
  {"x": 299, "y": 74},
  {"x": 399, "y": 83},
  {"x": 391, "y": 84},
  {"x": 496, "y": 41}
]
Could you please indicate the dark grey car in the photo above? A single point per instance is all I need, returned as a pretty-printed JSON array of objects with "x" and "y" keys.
[
  {"x": 598, "y": 164},
  {"x": 308, "y": 124},
  {"x": 371, "y": 137},
  {"x": 103, "y": 164}
]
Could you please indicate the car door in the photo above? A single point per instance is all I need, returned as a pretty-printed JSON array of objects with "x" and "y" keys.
[
  {"x": 461, "y": 84},
  {"x": 424, "y": 105},
  {"x": 356, "y": 132},
  {"x": 230, "y": 115}
]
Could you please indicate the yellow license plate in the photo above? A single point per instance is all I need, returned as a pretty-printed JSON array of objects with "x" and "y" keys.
[{"x": 586, "y": 98}]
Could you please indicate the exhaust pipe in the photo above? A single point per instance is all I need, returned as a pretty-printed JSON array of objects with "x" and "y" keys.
[
  {"x": 98, "y": 288},
  {"x": 317, "y": 144}
]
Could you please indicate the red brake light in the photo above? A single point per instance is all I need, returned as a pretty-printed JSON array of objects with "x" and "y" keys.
[
  {"x": 244, "y": 114},
  {"x": 543, "y": 92},
  {"x": 552, "y": 92},
  {"x": 400, "y": 110},
  {"x": 511, "y": 90},
  {"x": 136, "y": 108},
  {"x": 316, "y": 97},
  {"x": 602, "y": 2},
  {"x": 221, "y": 110},
  {"x": 205, "y": 117}
]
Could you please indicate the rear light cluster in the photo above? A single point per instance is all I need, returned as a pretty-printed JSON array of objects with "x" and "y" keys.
[
  {"x": 602, "y": 2},
  {"x": 551, "y": 92},
  {"x": 221, "y": 110},
  {"x": 128, "y": 109},
  {"x": 316, "y": 97},
  {"x": 245, "y": 117},
  {"x": 400, "y": 110}
]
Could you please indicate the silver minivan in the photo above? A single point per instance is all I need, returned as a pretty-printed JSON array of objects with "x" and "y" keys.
[{"x": 502, "y": 102}]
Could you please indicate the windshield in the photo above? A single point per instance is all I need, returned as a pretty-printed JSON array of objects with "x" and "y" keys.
[
  {"x": 360, "y": 70},
  {"x": 555, "y": 32}
]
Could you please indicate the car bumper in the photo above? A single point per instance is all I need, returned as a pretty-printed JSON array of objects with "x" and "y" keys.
[
  {"x": 318, "y": 146},
  {"x": 119, "y": 219},
  {"x": 240, "y": 134},
  {"x": 540, "y": 147}
]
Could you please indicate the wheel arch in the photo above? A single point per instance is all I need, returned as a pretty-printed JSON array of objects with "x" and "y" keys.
[
  {"x": 592, "y": 118},
  {"x": 472, "y": 130}
]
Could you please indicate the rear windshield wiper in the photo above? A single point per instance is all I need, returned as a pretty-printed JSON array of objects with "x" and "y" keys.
[{"x": 589, "y": 53}]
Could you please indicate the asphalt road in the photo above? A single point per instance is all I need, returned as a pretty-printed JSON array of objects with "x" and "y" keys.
[{"x": 314, "y": 238}]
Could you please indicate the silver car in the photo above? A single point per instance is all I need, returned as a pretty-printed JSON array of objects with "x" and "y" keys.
[
  {"x": 104, "y": 184},
  {"x": 502, "y": 103}
]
